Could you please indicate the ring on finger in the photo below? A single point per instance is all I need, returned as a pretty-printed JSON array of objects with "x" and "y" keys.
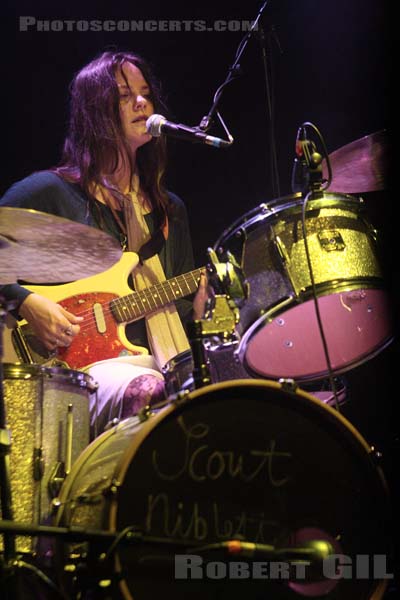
[{"x": 68, "y": 330}]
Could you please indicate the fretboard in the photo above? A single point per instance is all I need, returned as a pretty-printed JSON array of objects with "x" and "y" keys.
[{"x": 136, "y": 305}]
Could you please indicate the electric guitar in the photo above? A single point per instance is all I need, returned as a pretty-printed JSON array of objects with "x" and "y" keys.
[{"x": 107, "y": 304}]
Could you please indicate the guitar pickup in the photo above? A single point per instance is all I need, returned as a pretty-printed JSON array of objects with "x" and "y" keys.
[{"x": 99, "y": 318}]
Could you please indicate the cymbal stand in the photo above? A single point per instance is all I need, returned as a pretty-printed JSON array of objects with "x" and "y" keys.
[{"x": 5, "y": 447}]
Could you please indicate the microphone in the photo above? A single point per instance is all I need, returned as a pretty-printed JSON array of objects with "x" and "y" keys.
[
  {"x": 157, "y": 125},
  {"x": 312, "y": 550}
]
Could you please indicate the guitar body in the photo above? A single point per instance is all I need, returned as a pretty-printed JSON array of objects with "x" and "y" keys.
[
  {"x": 101, "y": 337},
  {"x": 107, "y": 304}
]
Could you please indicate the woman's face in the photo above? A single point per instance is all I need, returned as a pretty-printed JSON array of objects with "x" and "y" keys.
[{"x": 135, "y": 104}]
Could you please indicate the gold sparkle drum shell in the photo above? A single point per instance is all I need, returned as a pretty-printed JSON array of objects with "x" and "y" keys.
[
  {"x": 245, "y": 459},
  {"x": 280, "y": 335},
  {"x": 47, "y": 410}
]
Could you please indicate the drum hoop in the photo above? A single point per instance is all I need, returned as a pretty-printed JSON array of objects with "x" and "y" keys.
[
  {"x": 352, "y": 433},
  {"x": 21, "y": 371},
  {"x": 196, "y": 395},
  {"x": 77, "y": 466},
  {"x": 291, "y": 302},
  {"x": 28, "y": 372},
  {"x": 127, "y": 457},
  {"x": 177, "y": 360},
  {"x": 358, "y": 443},
  {"x": 275, "y": 207}
]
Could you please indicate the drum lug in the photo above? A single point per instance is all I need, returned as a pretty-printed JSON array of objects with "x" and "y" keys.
[
  {"x": 145, "y": 413},
  {"x": 56, "y": 479},
  {"x": 180, "y": 397},
  {"x": 281, "y": 249},
  {"x": 113, "y": 490},
  {"x": 55, "y": 506},
  {"x": 376, "y": 455},
  {"x": 288, "y": 385},
  {"x": 38, "y": 464}
]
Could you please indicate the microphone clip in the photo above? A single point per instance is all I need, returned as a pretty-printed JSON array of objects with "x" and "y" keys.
[{"x": 307, "y": 167}]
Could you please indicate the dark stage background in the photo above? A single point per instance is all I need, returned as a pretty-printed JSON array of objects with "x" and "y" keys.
[{"x": 330, "y": 66}]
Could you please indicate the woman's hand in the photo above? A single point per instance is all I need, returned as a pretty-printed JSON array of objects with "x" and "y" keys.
[
  {"x": 52, "y": 324},
  {"x": 201, "y": 298}
]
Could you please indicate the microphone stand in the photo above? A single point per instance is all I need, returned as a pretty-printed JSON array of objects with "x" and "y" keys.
[
  {"x": 206, "y": 121},
  {"x": 234, "y": 70},
  {"x": 265, "y": 42}
]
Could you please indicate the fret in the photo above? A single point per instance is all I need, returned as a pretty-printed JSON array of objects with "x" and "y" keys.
[
  {"x": 195, "y": 275},
  {"x": 148, "y": 296},
  {"x": 155, "y": 296},
  {"x": 133, "y": 305},
  {"x": 125, "y": 310},
  {"x": 117, "y": 310},
  {"x": 185, "y": 281},
  {"x": 173, "y": 288},
  {"x": 139, "y": 303},
  {"x": 177, "y": 281},
  {"x": 163, "y": 292}
]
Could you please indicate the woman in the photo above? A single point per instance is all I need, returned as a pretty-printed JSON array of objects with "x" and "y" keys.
[{"x": 111, "y": 177}]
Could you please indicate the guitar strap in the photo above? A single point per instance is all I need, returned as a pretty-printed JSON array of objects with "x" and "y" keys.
[
  {"x": 165, "y": 331},
  {"x": 152, "y": 246}
]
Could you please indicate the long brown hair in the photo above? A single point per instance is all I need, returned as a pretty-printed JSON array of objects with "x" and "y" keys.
[{"x": 95, "y": 135}]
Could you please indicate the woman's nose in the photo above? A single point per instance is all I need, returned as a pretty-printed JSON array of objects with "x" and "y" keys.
[{"x": 140, "y": 102}]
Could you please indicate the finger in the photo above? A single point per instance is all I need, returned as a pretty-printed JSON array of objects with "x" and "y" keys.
[
  {"x": 51, "y": 344},
  {"x": 65, "y": 327},
  {"x": 203, "y": 279},
  {"x": 70, "y": 316},
  {"x": 66, "y": 335}
]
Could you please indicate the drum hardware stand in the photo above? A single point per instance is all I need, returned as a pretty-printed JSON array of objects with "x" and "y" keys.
[
  {"x": 222, "y": 318},
  {"x": 7, "y": 567},
  {"x": 5, "y": 448}
]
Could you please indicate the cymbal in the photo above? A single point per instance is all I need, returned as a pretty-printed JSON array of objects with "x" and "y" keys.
[
  {"x": 360, "y": 166},
  {"x": 37, "y": 247}
]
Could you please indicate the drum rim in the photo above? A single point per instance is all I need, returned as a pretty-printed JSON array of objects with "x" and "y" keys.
[
  {"x": 353, "y": 439},
  {"x": 274, "y": 207},
  {"x": 290, "y": 303},
  {"x": 285, "y": 387},
  {"x": 28, "y": 372}
]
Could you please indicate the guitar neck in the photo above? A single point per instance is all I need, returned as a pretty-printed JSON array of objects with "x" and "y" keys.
[{"x": 138, "y": 304}]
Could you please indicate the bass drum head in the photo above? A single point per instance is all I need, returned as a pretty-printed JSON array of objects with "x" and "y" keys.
[{"x": 246, "y": 460}]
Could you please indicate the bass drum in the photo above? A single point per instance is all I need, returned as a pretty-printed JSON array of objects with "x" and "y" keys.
[
  {"x": 279, "y": 330},
  {"x": 245, "y": 460}
]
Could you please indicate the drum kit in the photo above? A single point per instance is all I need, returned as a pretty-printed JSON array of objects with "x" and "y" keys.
[{"x": 241, "y": 463}]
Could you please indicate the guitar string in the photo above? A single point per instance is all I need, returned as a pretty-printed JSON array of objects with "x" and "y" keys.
[
  {"x": 120, "y": 302},
  {"x": 147, "y": 293}
]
